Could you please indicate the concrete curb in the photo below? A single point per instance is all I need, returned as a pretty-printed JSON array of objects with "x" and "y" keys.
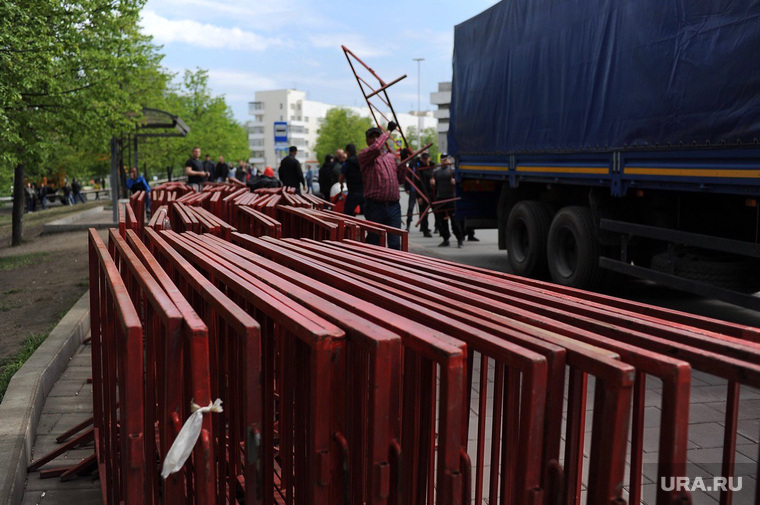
[
  {"x": 21, "y": 408},
  {"x": 76, "y": 222}
]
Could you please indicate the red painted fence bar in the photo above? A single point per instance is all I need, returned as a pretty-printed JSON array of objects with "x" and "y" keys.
[
  {"x": 161, "y": 381},
  {"x": 613, "y": 396},
  {"x": 118, "y": 404},
  {"x": 257, "y": 224},
  {"x": 425, "y": 351},
  {"x": 306, "y": 423},
  {"x": 235, "y": 368},
  {"x": 719, "y": 355},
  {"x": 372, "y": 370},
  {"x": 191, "y": 356}
]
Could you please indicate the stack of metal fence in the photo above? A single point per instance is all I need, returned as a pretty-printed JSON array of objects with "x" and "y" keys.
[{"x": 352, "y": 373}]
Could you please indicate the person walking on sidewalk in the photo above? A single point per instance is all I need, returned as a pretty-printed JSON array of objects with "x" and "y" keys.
[{"x": 76, "y": 189}]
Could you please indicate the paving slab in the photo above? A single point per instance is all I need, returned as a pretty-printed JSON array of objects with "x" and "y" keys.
[{"x": 25, "y": 397}]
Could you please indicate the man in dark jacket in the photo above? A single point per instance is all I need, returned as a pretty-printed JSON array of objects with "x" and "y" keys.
[
  {"x": 76, "y": 189},
  {"x": 351, "y": 176},
  {"x": 291, "y": 174},
  {"x": 326, "y": 176},
  {"x": 221, "y": 170},
  {"x": 442, "y": 182},
  {"x": 208, "y": 167},
  {"x": 423, "y": 168}
]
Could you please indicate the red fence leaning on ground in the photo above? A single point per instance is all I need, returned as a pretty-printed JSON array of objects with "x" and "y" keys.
[{"x": 353, "y": 373}]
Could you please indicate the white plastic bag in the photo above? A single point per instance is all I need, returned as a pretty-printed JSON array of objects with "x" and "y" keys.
[{"x": 187, "y": 437}]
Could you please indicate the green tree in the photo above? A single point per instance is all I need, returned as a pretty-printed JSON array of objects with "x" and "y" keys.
[
  {"x": 341, "y": 127},
  {"x": 212, "y": 126},
  {"x": 70, "y": 74},
  {"x": 429, "y": 135}
]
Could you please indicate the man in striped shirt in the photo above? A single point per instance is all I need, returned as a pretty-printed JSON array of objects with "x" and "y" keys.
[{"x": 382, "y": 178}]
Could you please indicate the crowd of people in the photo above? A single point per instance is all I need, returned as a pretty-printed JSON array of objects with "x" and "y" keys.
[
  {"x": 37, "y": 196},
  {"x": 371, "y": 179},
  {"x": 200, "y": 172},
  {"x": 365, "y": 182}
]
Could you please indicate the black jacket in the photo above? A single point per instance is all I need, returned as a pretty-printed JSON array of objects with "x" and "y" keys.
[{"x": 291, "y": 174}]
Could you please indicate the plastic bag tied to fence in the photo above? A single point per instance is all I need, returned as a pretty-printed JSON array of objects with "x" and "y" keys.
[{"x": 187, "y": 437}]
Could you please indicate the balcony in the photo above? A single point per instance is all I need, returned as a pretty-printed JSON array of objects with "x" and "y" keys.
[{"x": 440, "y": 97}]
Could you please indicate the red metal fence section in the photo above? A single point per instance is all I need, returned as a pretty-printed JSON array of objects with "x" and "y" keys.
[
  {"x": 117, "y": 367},
  {"x": 353, "y": 373}
]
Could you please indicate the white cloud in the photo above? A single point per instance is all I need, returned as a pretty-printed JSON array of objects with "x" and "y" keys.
[
  {"x": 197, "y": 34},
  {"x": 240, "y": 81},
  {"x": 267, "y": 15},
  {"x": 353, "y": 41}
]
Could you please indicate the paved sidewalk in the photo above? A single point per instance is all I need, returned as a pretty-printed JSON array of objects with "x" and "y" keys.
[{"x": 68, "y": 404}]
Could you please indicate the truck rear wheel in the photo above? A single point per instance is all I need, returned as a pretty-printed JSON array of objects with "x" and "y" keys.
[
  {"x": 573, "y": 250},
  {"x": 527, "y": 233}
]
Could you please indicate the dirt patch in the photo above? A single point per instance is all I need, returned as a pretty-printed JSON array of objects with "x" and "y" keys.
[{"x": 39, "y": 282}]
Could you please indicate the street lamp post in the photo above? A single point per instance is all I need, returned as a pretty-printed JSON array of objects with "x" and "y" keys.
[{"x": 419, "y": 113}]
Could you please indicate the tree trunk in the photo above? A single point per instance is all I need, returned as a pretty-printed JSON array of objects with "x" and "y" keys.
[{"x": 18, "y": 204}]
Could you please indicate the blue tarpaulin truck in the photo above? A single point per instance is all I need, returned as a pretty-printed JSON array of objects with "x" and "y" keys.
[{"x": 614, "y": 135}]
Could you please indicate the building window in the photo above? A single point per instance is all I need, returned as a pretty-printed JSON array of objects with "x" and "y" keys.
[
  {"x": 280, "y": 106},
  {"x": 259, "y": 118}
]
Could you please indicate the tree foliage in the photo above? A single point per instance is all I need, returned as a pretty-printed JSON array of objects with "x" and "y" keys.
[
  {"x": 429, "y": 135},
  {"x": 212, "y": 126},
  {"x": 72, "y": 73},
  {"x": 341, "y": 127}
]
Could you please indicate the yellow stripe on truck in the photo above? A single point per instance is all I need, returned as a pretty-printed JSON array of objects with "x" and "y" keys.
[
  {"x": 694, "y": 172},
  {"x": 532, "y": 169},
  {"x": 484, "y": 168},
  {"x": 566, "y": 170}
]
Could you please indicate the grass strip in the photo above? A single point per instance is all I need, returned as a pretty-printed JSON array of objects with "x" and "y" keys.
[
  {"x": 20, "y": 260},
  {"x": 12, "y": 364}
]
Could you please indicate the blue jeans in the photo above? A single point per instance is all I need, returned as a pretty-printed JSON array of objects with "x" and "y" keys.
[{"x": 387, "y": 213}]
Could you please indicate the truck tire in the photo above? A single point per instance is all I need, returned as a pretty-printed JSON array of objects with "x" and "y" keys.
[
  {"x": 573, "y": 250},
  {"x": 736, "y": 273},
  {"x": 527, "y": 233}
]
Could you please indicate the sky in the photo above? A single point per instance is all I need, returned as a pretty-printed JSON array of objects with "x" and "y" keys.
[{"x": 259, "y": 45}]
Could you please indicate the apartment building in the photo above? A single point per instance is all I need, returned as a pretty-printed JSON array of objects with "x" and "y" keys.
[
  {"x": 442, "y": 98},
  {"x": 284, "y": 118}
]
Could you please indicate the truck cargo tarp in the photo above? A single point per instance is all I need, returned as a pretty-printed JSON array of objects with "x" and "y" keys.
[{"x": 581, "y": 75}]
